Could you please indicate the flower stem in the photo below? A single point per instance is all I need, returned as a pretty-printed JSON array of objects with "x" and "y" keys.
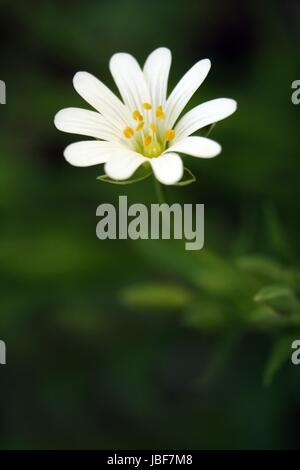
[{"x": 159, "y": 191}]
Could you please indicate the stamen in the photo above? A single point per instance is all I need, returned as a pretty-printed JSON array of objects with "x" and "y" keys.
[
  {"x": 169, "y": 135},
  {"x": 140, "y": 126},
  {"x": 128, "y": 132},
  {"x": 160, "y": 113},
  {"x": 147, "y": 140},
  {"x": 147, "y": 106},
  {"x": 137, "y": 116},
  {"x": 153, "y": 127}
]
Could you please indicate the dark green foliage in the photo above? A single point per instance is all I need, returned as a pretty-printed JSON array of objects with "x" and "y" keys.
[{"x": 123, "y": 344}]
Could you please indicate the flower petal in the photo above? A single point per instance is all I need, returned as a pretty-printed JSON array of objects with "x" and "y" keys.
[
  {"x": 101, "y": 98},
  {"x": 84, "y": 122},
  {"x": 168, "y": 168},
  {"x": 204, "y": 115},
  {"x": 130, "y": 80},
  {"x": 185, "y": 89},
  {"x": 156, "y": 70},
  {"x": 89, "y": 152},
  {"x": 123, "y": 163},
  {"x": 196, "y": 146}
]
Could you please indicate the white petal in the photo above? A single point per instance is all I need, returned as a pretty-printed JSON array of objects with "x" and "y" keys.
[
  {"x": 89, "y": 152},
  {"x": 101, "y": 98},
  {"x": 185, "y": 89},
  {"x": 167, "y": 168},
  {"x": 130, "y": 80},
  {"x": 204, "y": 115},
  {"x": 196, "y": 146},
  {"x": 84, "y": 122},
  {"x": 122, "y": 164},
  {"x": 156, "y": 70}
]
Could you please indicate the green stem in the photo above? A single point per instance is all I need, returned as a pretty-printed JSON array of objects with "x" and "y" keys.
[
  {"x": 159, "y": 191},
  {"x": 210, "y": 129}
]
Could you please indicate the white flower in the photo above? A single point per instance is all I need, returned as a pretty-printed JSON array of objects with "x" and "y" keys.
[{"x": 144, "y": 127}]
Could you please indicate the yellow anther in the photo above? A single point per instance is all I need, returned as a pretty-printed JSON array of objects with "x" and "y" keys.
[
  {"x": 160, "y": 113},
  {"x": 128, "y": 132},
  {"x": 170, "y": 134},
  {"x": 153, "y": 127},
  {"x": 147, "y": 106},
  {"x": 140, "y": 126},
  {"x": 147, "y": 140},
  {"x": 137, "y": 115}
]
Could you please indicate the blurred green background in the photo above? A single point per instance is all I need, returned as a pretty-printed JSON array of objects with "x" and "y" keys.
[{"x": 131, "y": 345}]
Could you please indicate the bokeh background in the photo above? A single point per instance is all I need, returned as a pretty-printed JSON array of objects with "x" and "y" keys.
[{"x": 130, "y": 345}]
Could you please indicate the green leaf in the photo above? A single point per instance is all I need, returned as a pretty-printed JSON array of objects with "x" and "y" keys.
[
  {"x": 143, "y": 172},
  {"x": 265, "y": 267},
  {"x": 279, "y": 297},
  {"x": 264, "y": 317},
  {"x": 156, "y": 296},
  {"x": 188, "y": 178},
  {"x": 279, "y": 354},
  {"x": 205, "y": 269}
]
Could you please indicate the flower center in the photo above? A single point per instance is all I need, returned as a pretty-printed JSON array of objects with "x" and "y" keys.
[
  {"x": 153, "y": 150},
  {"x": 149, "y": 137}
]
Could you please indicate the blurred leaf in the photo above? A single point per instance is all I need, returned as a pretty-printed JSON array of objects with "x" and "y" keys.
[
  {"x": 264, "y": 266},
  {"x": 188, "y": 178},
  {"x": 279, "y": 297},
  {"x": 205, "y": 315},
  {"x": 265, "y": 316},
  {"x": 219, "y": 276},
  {"x": 275, "y": 232},
  {"x": 157, "y": 296},
  {"x": 143, "y": 172},
  {"x": 279, "y": 354},
  {"x": 205, "y": 269}
]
